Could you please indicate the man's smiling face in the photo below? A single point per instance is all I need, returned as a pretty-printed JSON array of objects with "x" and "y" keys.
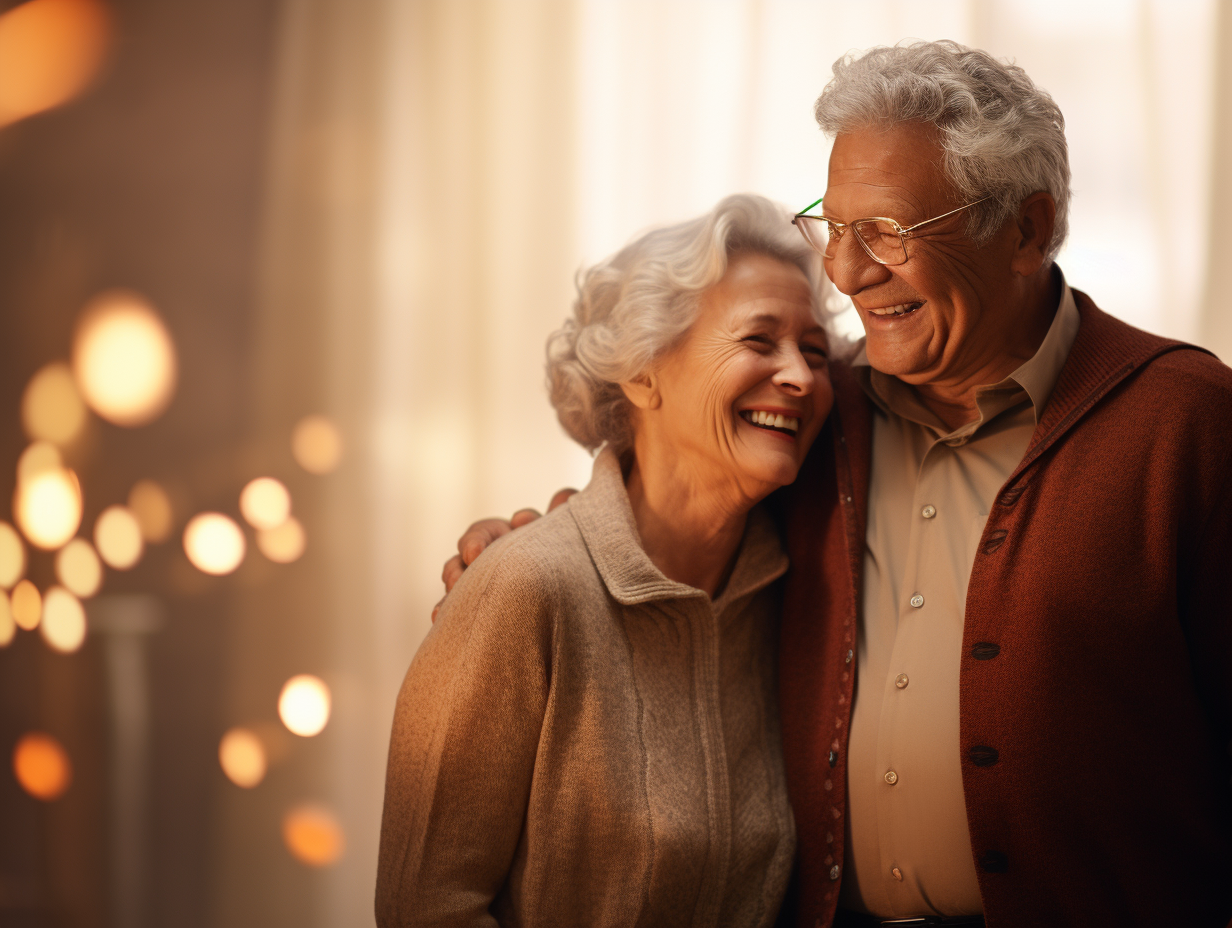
[{"x": 942, "y": 316}]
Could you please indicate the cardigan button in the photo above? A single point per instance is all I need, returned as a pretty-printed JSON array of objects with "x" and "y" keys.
[
  {"x": 833, "y": 758},
  {"x": 847, "y": 659},
  {"x": 983, "y": 756},
  {"x": 834, "y": 871},
  {"x": 985, "y": 650},
  {"x": 994, "y": 862}
]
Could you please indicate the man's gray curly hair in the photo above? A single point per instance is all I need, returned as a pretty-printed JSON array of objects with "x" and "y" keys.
[
  {"x": 1003, "y": 137},
  {"x": 635, "y": 306}
]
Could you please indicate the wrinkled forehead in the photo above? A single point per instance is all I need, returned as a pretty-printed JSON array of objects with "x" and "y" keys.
[{"x": 891, "y": 171}]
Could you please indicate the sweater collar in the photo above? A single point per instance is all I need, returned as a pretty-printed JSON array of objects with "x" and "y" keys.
[{"x": 605, "y": 518}]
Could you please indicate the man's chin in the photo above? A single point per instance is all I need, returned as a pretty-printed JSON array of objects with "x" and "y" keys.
[{"x": 894, "y": 360}]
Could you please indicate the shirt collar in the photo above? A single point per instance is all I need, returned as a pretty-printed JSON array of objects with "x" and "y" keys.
[
  {"x": 605, "y": 519},
  {"x": 1035, "y": 377}
]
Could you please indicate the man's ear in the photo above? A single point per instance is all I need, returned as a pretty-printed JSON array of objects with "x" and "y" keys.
[
  {"x": 1037, "y": 217},
  {"x": 643, "y": 391}
]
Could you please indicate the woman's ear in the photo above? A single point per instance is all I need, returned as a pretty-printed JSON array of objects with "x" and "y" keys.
[{"x": 643, "y": 391}]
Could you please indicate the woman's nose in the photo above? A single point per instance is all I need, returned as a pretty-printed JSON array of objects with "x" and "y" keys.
[
  {"x": 851, "y": 269},
  {"x": 795, "y": 375}
]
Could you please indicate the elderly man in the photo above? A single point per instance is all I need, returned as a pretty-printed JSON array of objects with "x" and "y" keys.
[{"x": 1014, "y": 540}]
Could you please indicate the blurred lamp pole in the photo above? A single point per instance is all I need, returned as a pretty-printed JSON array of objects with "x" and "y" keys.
[{"x": 124, "y": 624}]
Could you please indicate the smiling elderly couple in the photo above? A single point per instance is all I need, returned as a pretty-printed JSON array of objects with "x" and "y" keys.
[{"x": 1000, "y": 656}]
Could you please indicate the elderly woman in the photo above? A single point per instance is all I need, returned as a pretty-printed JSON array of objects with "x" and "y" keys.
[{"x": 589, "y": 734}]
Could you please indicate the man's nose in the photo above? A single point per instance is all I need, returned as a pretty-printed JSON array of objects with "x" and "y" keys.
[{"x": 851, "y": 269}]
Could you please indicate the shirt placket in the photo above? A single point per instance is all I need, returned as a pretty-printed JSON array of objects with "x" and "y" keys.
[{"x": 920, "y": 612}]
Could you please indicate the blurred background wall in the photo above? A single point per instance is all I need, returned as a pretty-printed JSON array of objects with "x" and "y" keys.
[{"x": 357, "y": 221}]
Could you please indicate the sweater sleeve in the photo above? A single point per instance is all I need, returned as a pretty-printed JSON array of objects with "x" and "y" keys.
[{"x": 465, "y": 734}]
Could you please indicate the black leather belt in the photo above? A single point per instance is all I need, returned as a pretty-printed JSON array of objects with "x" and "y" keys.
[{"x": 846, "y": 919}]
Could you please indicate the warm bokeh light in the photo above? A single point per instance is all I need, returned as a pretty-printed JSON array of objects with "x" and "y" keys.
[
  {"x": 317, "y": 444},
  {"x": 214, "y": 543},
  {"x": 12, "y": 556},
  {"x": 124, "y": 359},
  {"x": 64, "y": 620},
  {"x": 39, "y": 458},
  {"x": 51, "y": 407},
  {"x": 152, "y": 507},
  {"x": 8, "y": 628},
  {"x": 48, "y": 507},
  {"x": 312, "y": 835},
  {"x": 303, "y": 705},
  {"x": 242, "y": 757},
  {"x": 79, "y": 569},
  {"x": 42, "y": 766},
  {"x": 117, "y": 535},
  {"x": 265, "y": 503},
  {"x": 49, "y": 52},
  {"x": 283, "y": 544},
  {"x": 26, "y": 605}
]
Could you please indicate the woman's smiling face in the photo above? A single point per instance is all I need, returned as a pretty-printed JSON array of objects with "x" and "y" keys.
[{"x": 745, "y": 392}]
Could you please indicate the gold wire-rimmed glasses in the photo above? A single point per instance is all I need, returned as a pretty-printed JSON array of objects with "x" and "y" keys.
[{"x": 882, "y": 238}]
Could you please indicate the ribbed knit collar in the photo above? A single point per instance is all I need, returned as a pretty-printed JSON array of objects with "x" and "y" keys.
[{"x": 605, "y": 517}]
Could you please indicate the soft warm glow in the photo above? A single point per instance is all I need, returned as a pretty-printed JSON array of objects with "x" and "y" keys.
[
  {"x": 214, "y": 543},
  {"x": 27, "y": 605},
  {"x": 118, "y": 537},
  {"x": 48, "y": 507},
  {"x": 312, "y": 835},
  {"x": 79, "y": 569},
  {"x": 8, "y": 628},
  {"x": 316, "y": 444},
  {"x": 12, "y": 556},
  {"x": 124, "y": 359},
  {"x": 265, "y": 503},
  {"x": 49, "y": 52},
  {"x": 152, "y": 507},
  {"x": 283, "y": 544},
  {"x": 64, "y": 620},
  {"x": 42, "y": 766},
  {"x": 51, "y": 408},
  {"x": 304, "y": 705},
  {"x": 242, "y": 757},
  {"x": 39, "y": 458}
]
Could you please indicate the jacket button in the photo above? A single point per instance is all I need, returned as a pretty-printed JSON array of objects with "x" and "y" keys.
[
  {"x": 994, "y": 862},
  {"x": 833, "y": 758},
  {"x": 834, "y": 872},
  {"x": 982, "y": 755},
  {"x": 985, "y": 650}
]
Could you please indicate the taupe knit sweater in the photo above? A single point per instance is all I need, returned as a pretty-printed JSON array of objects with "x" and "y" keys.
[{"x": 581, "y": 741}]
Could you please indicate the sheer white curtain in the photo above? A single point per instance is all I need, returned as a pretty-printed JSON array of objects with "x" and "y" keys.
[{"x": 492, "y": 147}]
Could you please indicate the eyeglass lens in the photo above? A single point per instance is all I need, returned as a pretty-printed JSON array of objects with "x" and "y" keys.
[{"x": 879, "y": 237}]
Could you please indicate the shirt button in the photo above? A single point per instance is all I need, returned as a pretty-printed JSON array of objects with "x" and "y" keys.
[
  {"x": 898, "y": 874},
  {"x": 957, "y": 442},
  {"x": 834, "y": 872},
  {"x": 891, "y": 777},
  {"x": 901, "y": 681},
  {"x": 917, "y": 600},
  {"x": 928, "y": 511}
]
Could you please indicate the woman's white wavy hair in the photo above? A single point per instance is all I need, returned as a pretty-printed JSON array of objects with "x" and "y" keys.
[
  {"x": 636, "y": 305},
  {"x": 1003, "y": 137}
]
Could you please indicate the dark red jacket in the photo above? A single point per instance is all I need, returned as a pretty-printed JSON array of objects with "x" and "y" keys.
[{"x": 1096, "y": 647}]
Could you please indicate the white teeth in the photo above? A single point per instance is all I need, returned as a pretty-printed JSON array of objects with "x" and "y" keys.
[
  {"x": 774, "y": 420},
  {"x": 900, "y": 310}
]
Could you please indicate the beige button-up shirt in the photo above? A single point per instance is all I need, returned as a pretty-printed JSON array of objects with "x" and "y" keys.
[{"x": 908, "y": 849}]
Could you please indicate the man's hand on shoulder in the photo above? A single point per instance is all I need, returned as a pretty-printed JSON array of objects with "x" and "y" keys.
[{"x": 481, "y": 534}]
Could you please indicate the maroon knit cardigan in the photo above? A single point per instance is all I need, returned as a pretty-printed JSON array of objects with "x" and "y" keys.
[{"x": 1095, "y": 706}]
